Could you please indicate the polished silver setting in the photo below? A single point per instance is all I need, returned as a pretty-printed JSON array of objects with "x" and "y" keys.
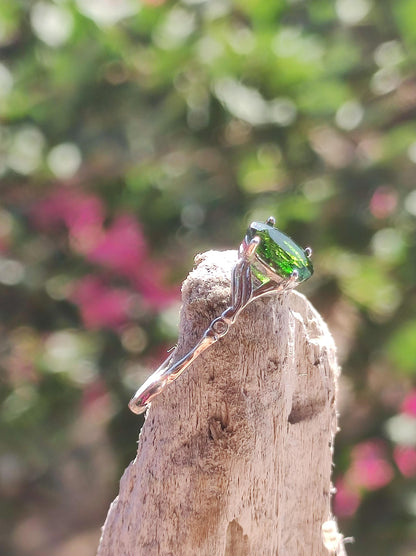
[
  {"x": 308, "y": 252},
  {"x": 245, "y": 288}
]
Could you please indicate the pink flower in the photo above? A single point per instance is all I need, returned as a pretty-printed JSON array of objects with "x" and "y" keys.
[
  {"x": 100, "y": 305},
  {"x": 75, "y": 209},
  {"x": 409, "y": 404},
  {"x": 369, "y": 468},
  {"x": 346, "y": 500},
  {"x": 405, "y": 458},
  {"x": 383, "y": 202},
  {"x": 149, "y": 282},
  {"x": 121, "y": 248}
]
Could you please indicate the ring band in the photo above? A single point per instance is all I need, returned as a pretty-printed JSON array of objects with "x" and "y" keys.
[{"x": 268, "y": 262}]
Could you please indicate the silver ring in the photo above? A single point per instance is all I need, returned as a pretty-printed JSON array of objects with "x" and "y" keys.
[{"x": 268, "y": 262}]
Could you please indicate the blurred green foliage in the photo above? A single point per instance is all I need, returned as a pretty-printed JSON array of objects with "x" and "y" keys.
[{"x": 134, "y": 135}]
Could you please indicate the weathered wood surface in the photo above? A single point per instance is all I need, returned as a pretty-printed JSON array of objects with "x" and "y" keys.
[{"x": 235, "y": 457}]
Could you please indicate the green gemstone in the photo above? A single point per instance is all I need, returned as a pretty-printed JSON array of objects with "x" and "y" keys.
[{"x": 279, "y": 253}]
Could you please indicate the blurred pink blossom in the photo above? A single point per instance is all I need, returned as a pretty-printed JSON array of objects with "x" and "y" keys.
[
  {"x": 121, "y": 248},
  {"x": 369, "y": 468},
  {"x": 149, "y": 281},
  {"x": 405, "y": 458},
  {"x": 346, "y": 500},
  {"x": 100, "y": 305},
  {"x": 77, "y": 210},
  {"x": 409, "y": 404},
  {"x": 383, "y": 202}
]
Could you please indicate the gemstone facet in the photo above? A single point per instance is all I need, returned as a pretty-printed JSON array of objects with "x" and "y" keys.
[{"x": 279, "y": 253}]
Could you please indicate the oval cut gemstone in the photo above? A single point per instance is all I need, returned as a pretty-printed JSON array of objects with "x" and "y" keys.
[{"x": 280, "y": 253}]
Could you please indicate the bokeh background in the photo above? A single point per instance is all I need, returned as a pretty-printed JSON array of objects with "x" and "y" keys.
[{"x": 134, "y": 135}]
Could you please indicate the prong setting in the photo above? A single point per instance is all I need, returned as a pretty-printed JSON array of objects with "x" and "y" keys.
[
  {"x": 271, "y": 221},
  {"x": 308, "y": 252},
  {"x": 294, "y": 276},
  {"x": 252, "y": 246}
]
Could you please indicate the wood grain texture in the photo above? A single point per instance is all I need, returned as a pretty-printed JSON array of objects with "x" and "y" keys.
[{"x": 235, "y": 457}]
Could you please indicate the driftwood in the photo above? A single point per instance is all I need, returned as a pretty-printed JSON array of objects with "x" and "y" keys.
[{"x": 235, "y": 457}]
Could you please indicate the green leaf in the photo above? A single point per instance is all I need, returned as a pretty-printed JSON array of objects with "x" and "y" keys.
[
  {"x": 405, "y": 12},
  {"x": 402, "y": 348}
]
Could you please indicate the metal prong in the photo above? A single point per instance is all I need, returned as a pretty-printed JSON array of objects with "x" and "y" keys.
[
  {"x": 294, "y": 275},
  {"x": 308, "y": 252},
  {"x": 271, "y": 221},
  {"x": 250, "y": 249}
]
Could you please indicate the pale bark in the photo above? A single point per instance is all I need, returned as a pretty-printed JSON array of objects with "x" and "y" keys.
[{"x": 235, "y": 457}]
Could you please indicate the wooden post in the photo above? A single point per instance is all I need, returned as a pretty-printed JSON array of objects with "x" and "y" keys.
[{"x": 235, "y": 457}]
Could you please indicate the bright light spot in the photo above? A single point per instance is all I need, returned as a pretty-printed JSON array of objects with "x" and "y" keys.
[
  {"x": 83, "y": 371},
  {"x": 26, "y": 150},
  {"x": 282, "y": 111},
  {"x": 209, "y": 49},
  {"x": 349, "y": 115},
  {"x": 410, "y": 503},
  {"x": 389, "y": 54},
  {"x": 58, "y": 287},
  {"x": 401, "y": 429},
  {"x": 64, "y": 160},
  {"x": 352, "y": 12},
  {"x": 290, "y": 42},
  {"x": 11, "y": 272},
  {"x": 134, "y": 339},
  {"x": 134, "y": 374},
  {"x": 388, "y": 244},
  {"x": 169, "y": 320},
  {"x": 318, "y": 190},
  {"x": 177, "y": 27},
  {"x": 61, "y": 347},
  {"x": 242, "y": 40},
  {"x": 286, "y": 43},
  {"x": 51, "y": 24},
  {"x": 192, "y": 215},
  {"x": 411, "y": 152},
  {"x": 335, "y": 149},
  {"x": 6, "y": 81},
  {"x": 175, "y": 164},
  {"x": 386, "y": 300},
  {"x": 385, "y": 81},
  {"x": 67, "y": 352},
  {"x": 410, "y": 202},
  {"x": 248, "y": 104},
  {"x": 108, "y": 12},
  {"x": 215, "y": 9},
  {"x": 243, "y": 102}
]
